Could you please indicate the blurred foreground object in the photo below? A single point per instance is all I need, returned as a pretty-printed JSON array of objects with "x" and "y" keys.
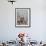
[{"x": 21, "y": 36}]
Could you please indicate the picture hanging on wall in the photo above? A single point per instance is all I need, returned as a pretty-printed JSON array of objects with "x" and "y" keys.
[{"x": 22, "y": 17}]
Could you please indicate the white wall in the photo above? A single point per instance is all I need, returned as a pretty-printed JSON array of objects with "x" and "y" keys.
[{"x": 37, "y": 30}]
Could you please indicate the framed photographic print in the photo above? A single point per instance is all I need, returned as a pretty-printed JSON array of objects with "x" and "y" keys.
[{"x": 22, "y": 17}]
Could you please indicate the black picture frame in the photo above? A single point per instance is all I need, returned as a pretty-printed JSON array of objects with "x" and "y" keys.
[{"x": 23, "y": 17}]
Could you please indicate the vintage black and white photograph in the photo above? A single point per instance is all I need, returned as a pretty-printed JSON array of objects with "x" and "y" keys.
[{"x": 22, "y": 17}]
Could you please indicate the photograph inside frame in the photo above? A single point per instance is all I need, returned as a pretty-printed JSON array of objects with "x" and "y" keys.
[{"x": 22, "y": 16}]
